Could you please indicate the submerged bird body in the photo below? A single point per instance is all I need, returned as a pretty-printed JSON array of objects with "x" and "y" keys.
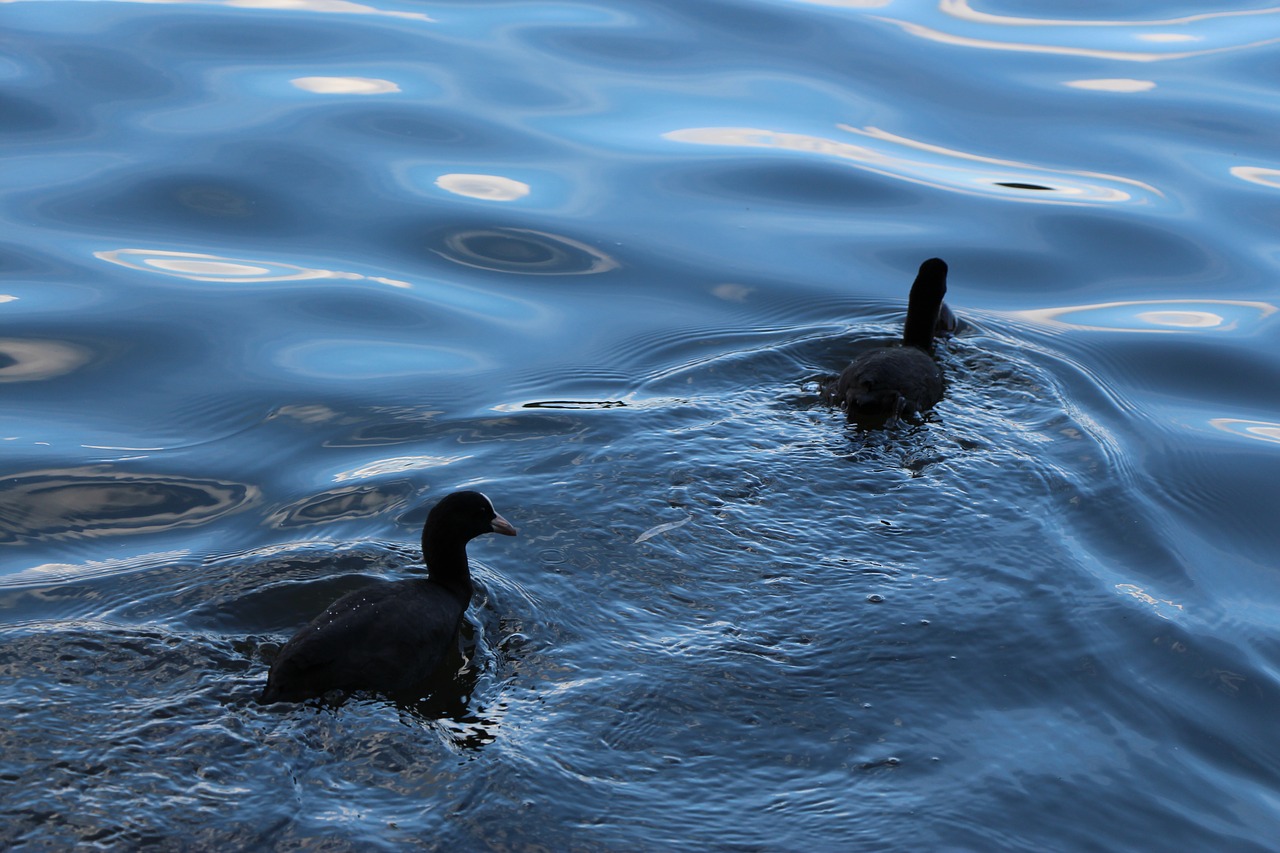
[
  {"x": 390, "y": 636},
  {"x": 889, "y": 382}
]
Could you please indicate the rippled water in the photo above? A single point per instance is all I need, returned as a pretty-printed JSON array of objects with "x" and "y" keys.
[{"x": 275, "y": 276}]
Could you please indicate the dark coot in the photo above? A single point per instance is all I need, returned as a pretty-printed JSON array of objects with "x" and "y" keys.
[
  {"x": 391, "y": 636},
  {"x": 889, "y": 382}
]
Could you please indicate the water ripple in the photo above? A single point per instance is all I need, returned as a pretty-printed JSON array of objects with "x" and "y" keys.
[
  {"x": 1268, "y": 431},
  {"x": 1119, "y": 40},
  {"x": 278, "y": 273},
  {"x": 196, "y": 266},
  {"x": 521, "y": 250},
  {"x": 25, "y": 360},
  {"x": 362, "y": 358},
  {"x": 343, "y": 504},
  {"x": 98, "y": 501},
  {"x": 935, "y": 166},
  {"x": 1170, "y": 316}
]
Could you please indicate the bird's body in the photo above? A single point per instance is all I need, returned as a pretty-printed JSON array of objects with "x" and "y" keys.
[
  {"x": 889, "y": 382},
  {"x": 390, "y": 636},
  {"x": 385, "y": 636}
]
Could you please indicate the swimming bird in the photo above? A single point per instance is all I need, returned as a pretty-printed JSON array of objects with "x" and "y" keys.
[
  {"x": 889, "y": 382},
  {"x": 391, "y": 636}
]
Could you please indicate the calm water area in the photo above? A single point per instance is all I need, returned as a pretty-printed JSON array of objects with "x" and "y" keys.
[{"x": 277, "y": 275}]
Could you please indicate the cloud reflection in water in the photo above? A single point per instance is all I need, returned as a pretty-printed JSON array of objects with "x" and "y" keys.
[
  {"x": 485, "y": 187},
  {"x": 62, "y": 573},
  {"x": 1159, "y": 316},
  {"x": 25, "y": 360},
  {"x": 1116, "y": 40},
  {"x": 561, "y": 256},
  {"x": 345, "y": 85},
  {"x": 1113, "y": 84},
  {"x": 397, "y": 465},
  {"x": 200, "y": 267},
  {"x": 920, "y": 162},
  {"x": 79, "y": 503},
  {"x": 1257, "y": 430},
  {"x": 1260, "y": 175},
  {"x": 338, "y": 7}
]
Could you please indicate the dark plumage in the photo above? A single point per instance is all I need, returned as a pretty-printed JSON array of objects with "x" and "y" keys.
[
  {"x": 391, "y": 636},
  {"x": 888, "y": 382}
]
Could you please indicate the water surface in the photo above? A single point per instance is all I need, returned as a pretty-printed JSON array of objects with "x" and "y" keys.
[{"x": 274, "y": 277}]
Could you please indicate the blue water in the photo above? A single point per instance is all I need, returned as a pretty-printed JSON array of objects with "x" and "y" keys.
[{"x": 276, "y": 276}]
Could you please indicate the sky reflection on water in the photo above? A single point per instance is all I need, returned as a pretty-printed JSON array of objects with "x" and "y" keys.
[
  {"x": 931, "y": 165},
  {"x": 1171, "y": 316},
  {"x": 277, "y": 275}
]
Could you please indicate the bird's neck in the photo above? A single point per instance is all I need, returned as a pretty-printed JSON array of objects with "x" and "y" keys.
[
  {"x": 447, "y": 564},
  {"x": 922, "y": 317}
]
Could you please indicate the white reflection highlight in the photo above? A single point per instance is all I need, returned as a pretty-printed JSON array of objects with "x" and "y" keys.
[
  {"x": 1183, "y": 319},
  {"x": 337, "y": 7},
  {"x": 486, "y": 187},
  {"x": 1115, "y": 84},
  {"x": 342, "y": 7},
  {"x": 930, "y": 34},
  {"x": 397, "y": 465},
  {"x": 1164, "y": 316},
  {"x": 315, "y": 413},
  {"x": 32, "y": 360},
  {"x": 345, "y": 85},
  {"x": 1131, "y": 41},
  {"x": 198, "y": 267},
  {"x": 851, "y": 4},
  {"x": 731, "y": 292},
  {"x": 919, "y": 162},
  {"x": 5, "y": 297},
  {"x": 57, "y": 573},
  {"x": 1259, "y": 175},
  {"x": 1160, "y": 605},
  {"x": 1258, "y": 430},
  {"x": 965, "y": 12},
  {"x": 207, "y": 268}
]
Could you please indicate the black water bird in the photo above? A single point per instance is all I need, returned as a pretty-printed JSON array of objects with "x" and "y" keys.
[
  {"x": 389, "y": 637},
  {"x": 890, "y": 382}
]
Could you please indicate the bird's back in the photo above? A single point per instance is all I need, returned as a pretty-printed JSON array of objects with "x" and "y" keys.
[
  {"x": 387, "y": 636},
  {"x": 878, "y": 379}
]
